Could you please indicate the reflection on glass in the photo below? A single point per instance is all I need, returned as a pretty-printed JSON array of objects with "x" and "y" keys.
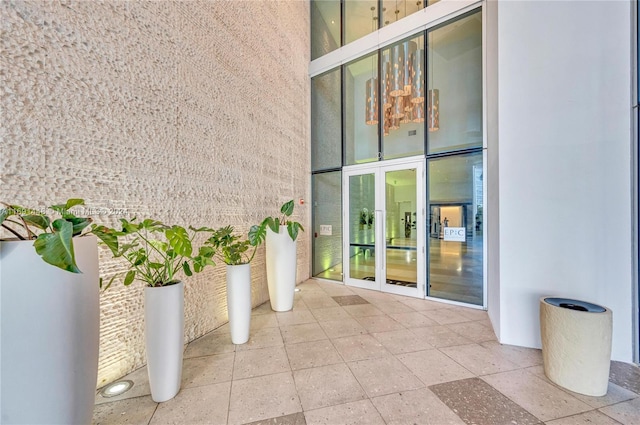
[
  {"x": 325, "y": 27},
  {"x": 402, "y": 90},
  {"x": 362, "y": 263},
  {"x": 455, "y": 228},
  {"x": 454, "y": 89},
  {"x": 360, "y": 19},
  {"x": 327, "y": 225},
  {"x": 361, "y": 129},
  {"x": 394, "y": 10},
  {"x": 401, "y": 236},
  {"x": 326, "y": 121}
]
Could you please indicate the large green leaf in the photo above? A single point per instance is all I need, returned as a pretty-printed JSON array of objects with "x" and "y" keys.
[
  {"x": 257, "y": 234},
  {"x": 200, "y": 262},
  {"x": 292, "y": 228},
  {"x": 273, "y": 223},
  {"x": 40, "y": 221},
  {"x": 152, "y": 225},
  {"x": 63, "y": 209},
  {"x": 206, "y": 252},
  {"x": 57, "y": 248},
  {"x": 73, "y": 202},
  {"x": 287, "y": 208},
  {"x": 128, "y": 227},
  {"x": 79, "y": 224},
  {"x": 128, "y": 279},
  {"x": 159, "y": 245},
  {"x": 187, "y": 269},
  {"x": 108, "y": 236},
  {"x": 179, "y": 240}
]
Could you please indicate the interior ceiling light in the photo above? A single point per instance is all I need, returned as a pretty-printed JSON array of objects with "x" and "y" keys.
[
  {"x": 400, "y": 95},
  {"x": 418, "y": 112},
  {"x": 417, "y": 77},
  {"x": 433, "y": 97},
  {"x": 409, "y": 49},
  {"x": 433, "y": 109},
  {"x": 398, "y": 108},
  {"x": 397, "y": 70},
  {"x": 372, "y": 102},
  {"x": 116, "y": 388}
]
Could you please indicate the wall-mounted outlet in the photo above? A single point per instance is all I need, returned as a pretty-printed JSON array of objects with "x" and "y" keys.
[{"x": 412, "y": 132}]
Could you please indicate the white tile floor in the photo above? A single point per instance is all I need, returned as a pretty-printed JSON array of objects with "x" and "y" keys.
[{"x": 395, "y": 360}]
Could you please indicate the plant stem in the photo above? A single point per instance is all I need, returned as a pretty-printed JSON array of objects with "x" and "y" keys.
[{"x": 18, "y": 235}]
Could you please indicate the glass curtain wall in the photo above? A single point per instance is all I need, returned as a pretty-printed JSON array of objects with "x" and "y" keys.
[
  {"x": 401, "y": 228},
  {"x": 360, "y": 19},
  {"x": 335, "y": 23},
  {"x": 394, "y": 10},
  {"x": 454, "y": 82},
  {"x": 362, "y": 259},
  {"x": 402, "y": 96},
  {"x": 454, "y": 175},
  {"x": 455, "y": 228},
  {"x": 419, "y": 96},
  {"x": 326, "y": 121},
  {"x": 326, "y": 180},
  {"x": 325, "y": 27},
  {"x": 361, "y": 110}
]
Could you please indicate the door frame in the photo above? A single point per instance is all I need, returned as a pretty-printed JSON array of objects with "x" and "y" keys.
[{"x": 378, "y": 169}]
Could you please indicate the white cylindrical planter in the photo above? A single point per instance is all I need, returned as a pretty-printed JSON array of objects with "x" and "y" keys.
[
  {"x": 576, "y": 344},
  {"x": 281, "y": 269},
  {"x": 239, "y": 302},
  {"x": 50, "y": 334},
  {"x": 164, "y": 332}
]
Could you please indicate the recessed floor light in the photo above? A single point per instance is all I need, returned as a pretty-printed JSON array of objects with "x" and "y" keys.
[{"x": 116, "y": 388}]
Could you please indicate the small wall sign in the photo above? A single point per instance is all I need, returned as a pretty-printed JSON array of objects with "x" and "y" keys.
[
  {"x": 326, "y": 230},
  {"x": 455, "y": 234}
]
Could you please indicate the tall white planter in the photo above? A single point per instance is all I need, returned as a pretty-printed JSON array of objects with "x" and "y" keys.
[
  {"x": 281, "y": 269},
  {"x": 50, "y": 333},
  {"x": 239, "y": 302},
  {"x": 164, "y": 332}
]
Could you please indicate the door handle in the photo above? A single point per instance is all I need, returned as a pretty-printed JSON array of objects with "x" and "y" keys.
[{"x": 380, "y": 243}]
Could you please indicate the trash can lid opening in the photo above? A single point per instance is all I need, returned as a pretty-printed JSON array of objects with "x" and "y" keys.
[{"x": 575, "y": 305}]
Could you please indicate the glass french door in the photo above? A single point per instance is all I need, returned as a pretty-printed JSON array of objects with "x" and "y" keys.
[{"x": 383, "y": 241}]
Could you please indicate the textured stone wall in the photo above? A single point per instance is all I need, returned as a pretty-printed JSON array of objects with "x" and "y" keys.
[{"x": 189, "y": 112}]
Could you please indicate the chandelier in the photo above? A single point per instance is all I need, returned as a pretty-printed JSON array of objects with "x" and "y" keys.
[{"x": 402, "y": 89}]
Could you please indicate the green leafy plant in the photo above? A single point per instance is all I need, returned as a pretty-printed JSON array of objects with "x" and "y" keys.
[
  {"x": 233, "y": 249},
  {"x": 258, "y": 233},
  {"x": 53, "y": 237},
  {"x": 364, "y": 216},
  {"x": 157, "y": 253}
]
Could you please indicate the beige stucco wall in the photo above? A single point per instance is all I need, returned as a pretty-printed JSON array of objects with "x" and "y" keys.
[{"x": 189, "y": 112}]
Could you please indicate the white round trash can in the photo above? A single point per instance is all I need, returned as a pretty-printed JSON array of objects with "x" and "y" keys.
[{"x": 576, "y": 344}]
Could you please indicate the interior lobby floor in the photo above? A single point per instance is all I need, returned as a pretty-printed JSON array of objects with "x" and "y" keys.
[{"x": 353, "y": 356}]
